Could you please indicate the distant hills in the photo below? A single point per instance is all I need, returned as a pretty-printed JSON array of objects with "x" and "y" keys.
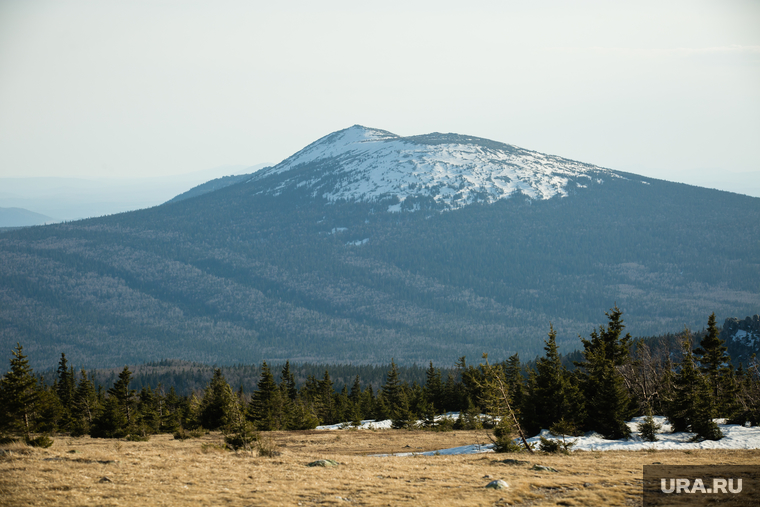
[
  {"x": 366, "y": 246},
  {"x": 66, "y": 199},
  {"x": 20, "y": 217}
]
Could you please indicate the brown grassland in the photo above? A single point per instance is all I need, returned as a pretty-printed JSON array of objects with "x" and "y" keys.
[{"x": 164, "y": 471}]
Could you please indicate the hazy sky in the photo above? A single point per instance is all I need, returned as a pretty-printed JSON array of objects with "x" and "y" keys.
[{"x": 145, "y": 88}]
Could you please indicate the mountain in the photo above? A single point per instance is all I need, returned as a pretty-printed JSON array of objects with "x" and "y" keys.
[
  {"x": 210, "y": 186},
  {"x": 446, "y": 171},
  {"x": 20, "y": 217},
  {"x": 742, "y": 338},
  {"x": 365, "y": 246}
]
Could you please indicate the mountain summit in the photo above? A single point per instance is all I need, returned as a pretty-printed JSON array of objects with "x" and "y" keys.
[
  {"x": 448, "y": 171},
  {"x": 322, "y": 258}
]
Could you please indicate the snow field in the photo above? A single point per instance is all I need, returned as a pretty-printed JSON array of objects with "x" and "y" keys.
[{"x": 735, "y": 437}]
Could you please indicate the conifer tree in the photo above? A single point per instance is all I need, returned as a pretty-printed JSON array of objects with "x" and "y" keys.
[
  {"x": 218, "y": 400},
  {"x": 239, "y": 432},
  {"x": 691, "y": 409},
  {"x": 368, "y": 402},
  {"x": 356, "y": 391},
  {"x": 395, "y": 397},
  {"x": 65, "y": 387},
  {"x": 19, "y": 396},
  {"x": 607, "y": 402},
  {"x": 289, "y": 382},
  {"x": 49, "y": 410},
  {"x": 714, "y": 363},
  {"x": 552, "y": 394},
  {"x": 125, "y": 397},
  {"x": 149, "y": 419},
  {"x": 496, "y": 400},
  {"x": 85, "y": 405},
  {"x": 515, "y": 381},
  {"x": 111, "y": 422},
  {"x": 452, "y": 399},
  {"x": 171, "y": 419},
  {"x": 266, "y": 408},
  {"x": 434, "y": 388},
  {"x": 326, "y": 400}
]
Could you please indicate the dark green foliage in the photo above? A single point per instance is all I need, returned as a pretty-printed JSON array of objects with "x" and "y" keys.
[
  {"x": 217, "y": 404},
  {"x": 748, "y": 394},
  {"x": 648, "y": 428},
  {"x": 513, "y": 375},
  {"x": 396, "y": 397},
  {"x": 266, "y": 409},
  {"x": 111, "y": 422},
  {"x": 49, "y": 413},
  {"x": 505, "y": 433},
  {"x": 714, "y": 364},
  {"x": 85, "y": 406},
  {"x": 469, "y": 419},
  {"x": 434, "y": 389},
  {"x": 65, "y": 387},
  {"x": 692, "y": 406},
  {"x": 552, "y": 395},
  {"x": 124, "y": 397},
  {"x": 148, "y": 420},
  {"x": 19, "y": 396},
  {"x": 549, "y": 445},
  {"x": 607, "y": 402}
]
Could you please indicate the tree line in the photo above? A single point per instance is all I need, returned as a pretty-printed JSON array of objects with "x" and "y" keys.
[{"x": 614, "y": 379}]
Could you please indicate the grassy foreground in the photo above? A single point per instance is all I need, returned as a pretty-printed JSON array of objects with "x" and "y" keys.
[{"x": 164, "y": 471}]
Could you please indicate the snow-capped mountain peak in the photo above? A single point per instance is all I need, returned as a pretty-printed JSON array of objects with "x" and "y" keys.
[{"x": 366, "y": 164}]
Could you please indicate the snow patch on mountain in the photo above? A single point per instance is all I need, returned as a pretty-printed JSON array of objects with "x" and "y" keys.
[{"x": 365, "y": 164}]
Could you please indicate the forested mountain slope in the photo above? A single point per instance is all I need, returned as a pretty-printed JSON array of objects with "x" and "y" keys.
[{"x": 340, "y": 255}]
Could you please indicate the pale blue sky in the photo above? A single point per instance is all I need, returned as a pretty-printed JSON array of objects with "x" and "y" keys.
[{"x": 155, "y": 88}]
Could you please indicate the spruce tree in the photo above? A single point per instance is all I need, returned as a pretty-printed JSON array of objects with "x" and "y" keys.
[
  {"x": 125, "y": 397},
  {"x": 149, "y": 419},
  {"x": 552, "y": 394},
  {"x": 266, "y": 409},
  {"x": 111, "y": 422},
  {"x": 356, "y": 391},
  {"x": 396, "y": 399},
  {"x": 289, "y": 382},
  {"x": 691, "y": 408},
  {"x": 218, "y": 400},
  {"x": 19, "y": 396},
  {"x": 515, "y": 381},
  {"x": 714, "y": 364},
  {"x": 326, "y": 409},
  {"x": 434, "y": 388},
  {"x": 496, "y": 401},
  {"x": 65, "y": 383},
  {"x": 607, "y": 402},
  {"x": 85, "y": 405}
]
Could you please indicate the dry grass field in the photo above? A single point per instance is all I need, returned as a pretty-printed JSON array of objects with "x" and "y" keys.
[{"x": 164, "y": 471}]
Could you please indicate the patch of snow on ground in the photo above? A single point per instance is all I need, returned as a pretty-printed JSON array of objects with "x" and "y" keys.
[{"x": 734, "y": 437}]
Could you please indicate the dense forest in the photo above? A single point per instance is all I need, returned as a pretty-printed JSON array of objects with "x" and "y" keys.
[
  {"x": 612, "y": 378},
  {"x": 236, "y": 276}
]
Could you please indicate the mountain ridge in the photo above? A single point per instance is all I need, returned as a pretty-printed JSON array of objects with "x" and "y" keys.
[
  {"x": 371, "y": 165},
  {"x": 274, "y": 269}
]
